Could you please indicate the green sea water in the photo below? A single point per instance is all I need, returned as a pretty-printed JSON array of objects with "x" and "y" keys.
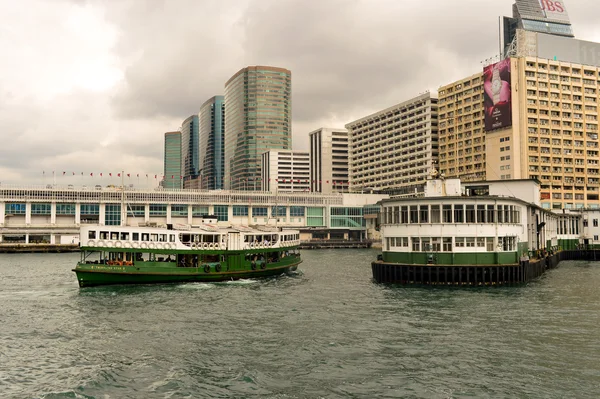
[{"x": 326, "y": 331}]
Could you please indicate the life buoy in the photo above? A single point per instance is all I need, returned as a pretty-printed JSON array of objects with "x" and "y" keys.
[
  {"x": 204, "y": 245},
  {"x": 144, "y": 245},
  {"x": 213, "y": 246},
  {"x": 127, "y": 244},
  {"x": 151, "y": 245},
  {"x": 118, "y": 244},
  {"x": 168, "y": 246},
  {"x": 206, "y": 268},
  {"x": 218, "y": 268},
  {"x": 264, "y": 265},
  {"x": 91, "y": 243},
  {"x": 135, "y": 244},
  {"x": 253, "y": 265},
  {"x": 110, "y": 244},
  {"x": 119, "y": 263},
  {"x": 101, "y": 243},
  {"x": 128, "y": 263},
  {"x": 159, "y": 245}
]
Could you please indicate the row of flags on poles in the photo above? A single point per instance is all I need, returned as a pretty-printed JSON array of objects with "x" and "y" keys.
[{"x": 173, "y": 177}]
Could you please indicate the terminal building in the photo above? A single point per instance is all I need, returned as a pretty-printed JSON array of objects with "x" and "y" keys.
[{"x": 53, "y": 215}]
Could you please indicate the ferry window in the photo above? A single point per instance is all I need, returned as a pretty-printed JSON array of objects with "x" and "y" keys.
[
  {"x": 470, "y": 242},
  {"x": 388, "y": 242},
  {"x": 481, "y": 214},
  {"x": 114, "y": 235},
  {"x": 490, "y": 214},
  {"x": 396, "y": 215},
  {"x": 145, "y": 237},
  {"x": 500, "y": 214},
  {"x": 104, "y": 235},
  {"x": 416, "y": 244},
  {"x": 135, "y": 236},
  {"x": 404, "y": 215},
  {"x": 425, "y": 244},
  {"x": 414, "y": 214},
  {"x": 470, "y": 214},
  {"x": 424, "y": 214},
  {"x": 447, "y": 244},
  {"x": 405, "y": 241},
  {"x": 435, "y": 214},
  {"x": 507, "y": 214},
  {"x": 153, "y": 237},
  {"x": 489, "y": 244},
  {"x": 393, "y": 241},
  {"x": 91, "y": 234},
  {"x": 459, "y": 216},
  {"x": 595, "y": 222},
  {"x": 171, "y": 237},
  {"x": 459, "y": 242},
  {"x": 162, "y": 238},
  {"x": 125, "y": 236},
  {"x": 436, "y": 244},
  {"x": 447, "y": 213},
  {"x": 595, "y": 238},
  {"x": 585, "y": 223},
  {"x": 481, "y": 242}
]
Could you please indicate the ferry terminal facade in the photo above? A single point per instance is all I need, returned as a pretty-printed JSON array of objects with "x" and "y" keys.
[
  {"x": 53, "y": 215},
  {"x": 487, "y": 223}
]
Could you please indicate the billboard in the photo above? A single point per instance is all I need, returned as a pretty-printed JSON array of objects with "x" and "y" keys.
[
  {"x": 497, "y": 95},
  {"x": 543, "y": 10}
]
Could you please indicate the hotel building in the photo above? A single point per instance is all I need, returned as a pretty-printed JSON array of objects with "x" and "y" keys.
[
  {"x": 395, "y": 148},
  {"x": 551, "y": 130},
  {"x": 172, "y": 160},
  {"x": 329, "y": 160},
  {"x": 285, "y": 171},
  {"x": 212, "y": 143},
  {"x": 259, "y": 117}
]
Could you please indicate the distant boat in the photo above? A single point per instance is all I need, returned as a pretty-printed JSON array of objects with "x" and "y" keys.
[{"x": 175, "y": 254}]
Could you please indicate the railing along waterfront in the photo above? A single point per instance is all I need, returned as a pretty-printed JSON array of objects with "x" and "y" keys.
[{"x": 109, "y": 194}]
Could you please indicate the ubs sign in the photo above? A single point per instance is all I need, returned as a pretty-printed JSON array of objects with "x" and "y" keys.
[{"x": 554, "y": 10}]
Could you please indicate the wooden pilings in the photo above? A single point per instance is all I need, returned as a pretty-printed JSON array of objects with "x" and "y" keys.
[{"x": 474, "y": 275}]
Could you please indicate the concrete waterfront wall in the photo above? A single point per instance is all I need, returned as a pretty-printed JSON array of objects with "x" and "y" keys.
[{"x": 474, "y": 275}]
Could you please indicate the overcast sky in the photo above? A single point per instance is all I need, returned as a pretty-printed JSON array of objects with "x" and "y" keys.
[{"x": 92, "y": 86}]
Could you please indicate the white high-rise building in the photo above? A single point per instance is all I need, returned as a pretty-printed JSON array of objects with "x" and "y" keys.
[
  {"x": 394, "y": 149},
  {"x": 329, "y": 160},
  {"x": 285, "y": 171}
]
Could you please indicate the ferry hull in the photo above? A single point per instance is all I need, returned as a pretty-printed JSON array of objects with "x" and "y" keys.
[{"x": 90, "y": 277}]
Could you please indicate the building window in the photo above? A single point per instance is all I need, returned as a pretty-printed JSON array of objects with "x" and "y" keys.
[
  {"x": 41, "y": 209},
  {"x": 459, "y": 216},
  {"x": 222, "y": 213},
  {"x": 199, "y": 210},
  {"x": 158, "y": 209},
  {"x": 112, "y": 214},
  {"x": 65, "y": 209},
  {"x": 179, "y": 210},
  {"x": 259, "y": 211},
  {"x": 280, "y": 211},
  {"x": 136, "y": 211},
  {"x": 296, "y": 211},
  {"x": 89, "y": 209},
  {"x": 240, "y": 210},
  {"x": 314, "y": 217},
  {"x": 15, "y": 209},
  {"x": 595, "y": 222}
]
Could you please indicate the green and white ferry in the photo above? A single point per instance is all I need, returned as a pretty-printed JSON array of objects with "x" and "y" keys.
[{"x": 175, "y": 254}]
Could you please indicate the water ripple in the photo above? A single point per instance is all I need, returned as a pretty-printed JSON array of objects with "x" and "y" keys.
[{"x": 325, "y": 331}]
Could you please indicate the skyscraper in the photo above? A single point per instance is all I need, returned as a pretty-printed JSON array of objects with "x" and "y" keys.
[
  {"x": 259, "y": 114},
  {"x": 190, "y": 151},
  {"x": 172, "y": 163},
  {"x": 329, "y": 160},
  {"x": 212, "y": 143}
]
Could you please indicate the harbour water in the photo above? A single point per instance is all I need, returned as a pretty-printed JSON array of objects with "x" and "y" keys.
[{"x": 325, "y": 332}]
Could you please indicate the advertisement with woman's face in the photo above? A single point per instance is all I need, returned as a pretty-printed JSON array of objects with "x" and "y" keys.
[{"x": 497, "y": 95}]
